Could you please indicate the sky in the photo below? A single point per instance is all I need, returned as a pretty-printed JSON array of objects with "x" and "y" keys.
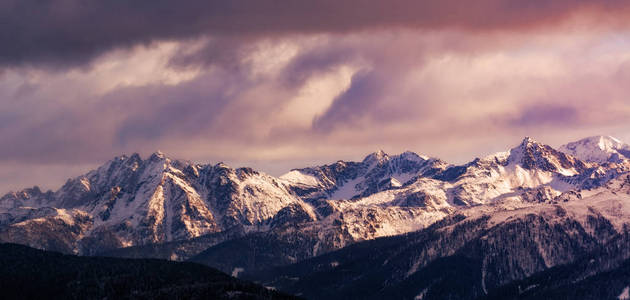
[{"x": 277, "y": 85}]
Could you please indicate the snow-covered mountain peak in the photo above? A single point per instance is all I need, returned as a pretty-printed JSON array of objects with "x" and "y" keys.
[
  {"x": 222, "y": 169},
  {"x": 134, "y": 157},
  {"x": 599, "y": 149},
  {"x": 528, "y": 141},
  {"x": 381, "y": 158},
  {"x": 497, "y": 156},
  {"x": 157, "y": 155},
  {"x": 534, "y": 155},
  {"x": 412, "y": 156},
  {"x": 527, "y": 145},
  {"x": 348, "y": 180},
  {"x": 376, "y": 157},
  {"x": 609, "y": 140},
  {"x": 134, "y": 201},
  {"x": 528, "y": 148}
]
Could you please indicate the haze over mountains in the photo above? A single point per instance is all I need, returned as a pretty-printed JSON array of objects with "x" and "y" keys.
[{"x": 507, "y": 215}]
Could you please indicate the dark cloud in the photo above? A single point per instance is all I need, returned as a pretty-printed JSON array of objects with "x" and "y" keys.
[
  {"x": 390, "y": 96},
  {"x": 366, "y": 89},
  {"x": 319, "y": 60},
  {"x": 72, "y": 32},
  {"x": 227, "y": 52},
  {"x": 184, "y": 110},
  {"x": 547, "y": 113},
  {"x": 235, "y": 94}
]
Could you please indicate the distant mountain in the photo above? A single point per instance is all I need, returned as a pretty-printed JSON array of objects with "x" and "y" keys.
[
  {"x": 352, "y": 180},
  {"x": 27, "y": 273},
  {"x": 243, "y": 221},
  {"x": 600, "y": 149}
]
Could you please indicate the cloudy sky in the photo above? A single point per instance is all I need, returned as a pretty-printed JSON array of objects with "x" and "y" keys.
[{"x": 279, "y": 84}]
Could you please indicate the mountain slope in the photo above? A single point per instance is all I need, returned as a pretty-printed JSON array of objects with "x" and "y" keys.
[
  {"x": 134, "y": 202},
  {"x": 130, "y": 201},
  {"x": 350, "y": 180},
  {"x": 488, "y": 246},
  {"x": 602, "y": 274},
  {"x": 600, "y": 149}
]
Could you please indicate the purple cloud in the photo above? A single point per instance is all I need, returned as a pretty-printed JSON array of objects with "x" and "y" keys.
[
  {"x": 547, "y": 114},
  {"x": 73, "y": 32},
  {"x": 434, "y": 77}
]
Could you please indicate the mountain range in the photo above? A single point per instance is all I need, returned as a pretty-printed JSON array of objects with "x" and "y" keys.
[{"x": 405, "y": 225}]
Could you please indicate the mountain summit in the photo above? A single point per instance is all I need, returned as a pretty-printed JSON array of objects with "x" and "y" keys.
[
  {"x": 533, "y": 155},
  {"x": 599, "y": 149}
]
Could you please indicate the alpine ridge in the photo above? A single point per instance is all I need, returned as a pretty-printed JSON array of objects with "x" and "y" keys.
[{"x": 242, "y": 220}]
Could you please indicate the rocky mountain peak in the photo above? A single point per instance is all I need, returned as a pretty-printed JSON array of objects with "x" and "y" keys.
[
  {"x": 412, "y": 156},
  {"x": 157, "y": 155},
  {"x": 531, "y": 154},
  {"x": 527, "y": 150},
  {"x": 376, "y": 157},
  {"x": 528, "y": 141},
  {"x": 599, "y": 149}
]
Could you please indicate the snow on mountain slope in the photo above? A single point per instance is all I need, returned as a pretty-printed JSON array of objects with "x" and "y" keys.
[
  {"x": 134, "y": 202},
  {"x": 48, "y": 228},
  {"x": 347, "y": 180},
  {"x": 130, "y": 201},
  {"x": 527, "y": 174},
  {"x": 600, "y": 149},
  {"x": 528, "y": 166},
  {"x": 32, "y": 197},
  {"x": 491, "y": 244}
]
